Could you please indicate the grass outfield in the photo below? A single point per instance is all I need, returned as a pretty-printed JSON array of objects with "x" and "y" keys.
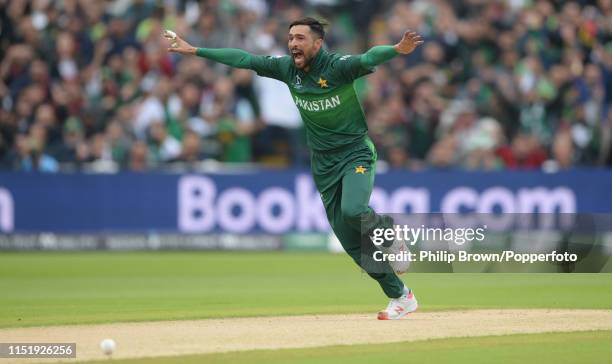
[
  {"x": 95, "y": 287},
  {"x": 556, "y": 348}
]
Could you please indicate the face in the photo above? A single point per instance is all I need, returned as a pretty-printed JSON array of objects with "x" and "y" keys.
[{"x": 303, "y": 45}]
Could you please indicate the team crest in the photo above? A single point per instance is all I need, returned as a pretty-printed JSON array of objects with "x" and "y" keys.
[
  {"x": 322, "y": 82},
  {"x": 360, "y": 170},
  {"x": 298, "y": 82}
]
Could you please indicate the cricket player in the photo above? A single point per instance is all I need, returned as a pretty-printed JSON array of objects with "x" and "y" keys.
[{"x": 342, "y": 155}]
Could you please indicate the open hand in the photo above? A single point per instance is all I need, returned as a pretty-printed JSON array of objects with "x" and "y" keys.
[
  {"x": 178, "y": 45},
  {"x": 409, "y": 42}
]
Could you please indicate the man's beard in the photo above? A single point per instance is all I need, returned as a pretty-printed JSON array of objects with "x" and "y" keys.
[{"x": 306, "y": 61}]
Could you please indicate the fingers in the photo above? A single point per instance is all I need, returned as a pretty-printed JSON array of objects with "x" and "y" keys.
[
  {"x": 174, "y": 46},
  {"x": 413, "y": 37},
  {"x": 174, "y": 40}
]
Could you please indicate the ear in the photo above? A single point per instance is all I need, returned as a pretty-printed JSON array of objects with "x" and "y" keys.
[{"x": 318, "y": 43}]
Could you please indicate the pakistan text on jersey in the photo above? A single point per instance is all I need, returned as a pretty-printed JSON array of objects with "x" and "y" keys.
[{"x": 318, "y": 105}]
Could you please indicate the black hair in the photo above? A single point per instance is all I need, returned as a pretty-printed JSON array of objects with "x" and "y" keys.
[{"x": 316, "y": 26}]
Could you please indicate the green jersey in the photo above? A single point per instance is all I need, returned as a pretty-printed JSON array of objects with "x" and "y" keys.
[
  {"x": 335, "y": 123},
  {"x": 325, "y": 95}
]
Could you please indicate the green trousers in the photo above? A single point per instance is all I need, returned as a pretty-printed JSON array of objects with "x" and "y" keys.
[{"x": 345, "y": 179}]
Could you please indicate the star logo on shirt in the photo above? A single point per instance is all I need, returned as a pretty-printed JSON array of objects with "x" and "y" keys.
[
  {"x": 360, "y": 169},
  {"x": 322, "y": 83}
]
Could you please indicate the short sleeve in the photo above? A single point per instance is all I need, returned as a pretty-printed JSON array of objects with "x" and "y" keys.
[
  {"x": 270, "y": 66},
  {"x": 349, "y": 67}
]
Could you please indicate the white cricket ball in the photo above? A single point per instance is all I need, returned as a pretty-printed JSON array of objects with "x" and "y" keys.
[
  {"x": 170, "y": 35},
  {"x": 108, "y": 346}
]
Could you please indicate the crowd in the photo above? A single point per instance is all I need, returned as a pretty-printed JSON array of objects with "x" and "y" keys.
[{"x": 517, "y": 84}]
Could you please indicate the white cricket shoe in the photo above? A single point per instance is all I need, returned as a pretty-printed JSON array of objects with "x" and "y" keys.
[
  {"x": 398, "y": 249},
  {"x": 399, "y": 307}
]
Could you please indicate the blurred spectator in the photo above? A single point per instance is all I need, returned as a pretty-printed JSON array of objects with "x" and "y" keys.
[
  {"x": 118, "y": 142},
  {"x": 563, "y": 150},
  {"x": 139, "y": 159},
  {"x": 162, "y": 147},
  {"x": 498, "y": 84},
  {"x": 191, "y": 150},
  {"x": 31, "y": 157},
  {"x": 525, "y": 152}
]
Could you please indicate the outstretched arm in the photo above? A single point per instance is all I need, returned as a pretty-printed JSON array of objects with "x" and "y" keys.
[
  {"x": 265, "y": 66},
  {"x": 353, "y": 67},
  {"x": 230, "y": 56},
  {"x": 381, "y": 54}
]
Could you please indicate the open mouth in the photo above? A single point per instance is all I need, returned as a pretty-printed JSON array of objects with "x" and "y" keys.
[{"x": 297, "y": 55}]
